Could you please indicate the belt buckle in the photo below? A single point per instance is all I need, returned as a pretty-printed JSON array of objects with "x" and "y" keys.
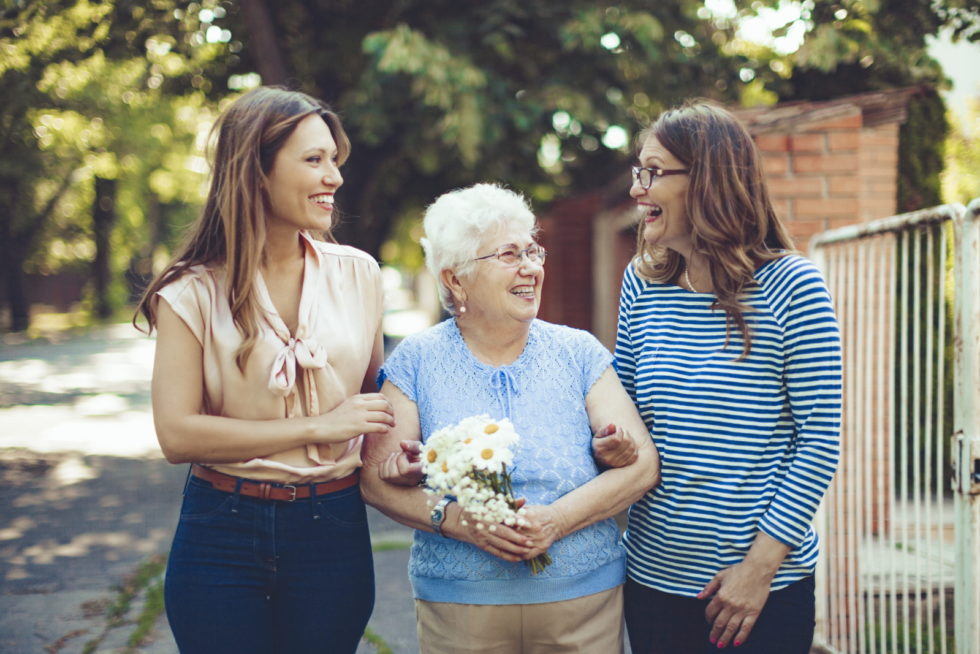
[{"x": 292, "y": 488}]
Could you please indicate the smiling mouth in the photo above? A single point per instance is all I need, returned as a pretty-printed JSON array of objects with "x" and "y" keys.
[
  {"x": 323, "y": 200},
  {"x": 524, "y": 292},
  {"x": 653, "y": 211}
]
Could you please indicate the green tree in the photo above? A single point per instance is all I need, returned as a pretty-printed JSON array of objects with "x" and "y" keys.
[
  {"x": 439, "y": 93},
  {"x": 855, "y": 46},
  {"x": 106, "y": 102},
  {"x": 91, "y": 93},
  {"x": 961, "y": 177}
]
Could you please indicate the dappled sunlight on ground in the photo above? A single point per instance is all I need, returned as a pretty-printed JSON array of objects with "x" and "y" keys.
[
  {"x": 72, "y": 520},
  {"x": 53, "y": 429}
]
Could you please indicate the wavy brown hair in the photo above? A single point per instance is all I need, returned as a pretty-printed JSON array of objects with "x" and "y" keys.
[
  {"x": 229, "y": 235},
  {"x": 732, "y": 220}
]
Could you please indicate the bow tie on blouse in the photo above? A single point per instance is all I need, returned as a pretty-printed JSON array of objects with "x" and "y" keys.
[
  {"x": 306, "y": 352},
  {"x": 309, "y": 356}
]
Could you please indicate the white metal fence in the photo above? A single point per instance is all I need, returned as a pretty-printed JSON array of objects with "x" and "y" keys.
[{"x": 900, "y": 526}]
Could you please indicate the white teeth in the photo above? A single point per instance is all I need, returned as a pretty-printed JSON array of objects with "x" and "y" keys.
[
  {"x": 521, "y": 292},
  {"x": 322, "y": 199},
  {"x": 656, "y": 211}
]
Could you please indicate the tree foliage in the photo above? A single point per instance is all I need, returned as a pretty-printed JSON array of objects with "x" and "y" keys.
[
  {"x": 961, "y": 177},
  {"x": 94, "y": 91},
  {"x": 544, "y": 96},
  {"x": 439, "y": 94},
  {"x": 851, "y": 46}
]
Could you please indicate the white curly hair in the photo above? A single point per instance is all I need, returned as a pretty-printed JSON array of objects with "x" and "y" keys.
[{"x": 457, "y": 222}]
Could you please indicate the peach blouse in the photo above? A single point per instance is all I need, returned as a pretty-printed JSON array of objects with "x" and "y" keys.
[{"x": 302, "y": 374}]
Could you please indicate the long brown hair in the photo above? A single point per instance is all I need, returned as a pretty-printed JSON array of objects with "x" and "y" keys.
[
  {"x": 230, "y": 232},
  {"x": 732, "y": 220}
]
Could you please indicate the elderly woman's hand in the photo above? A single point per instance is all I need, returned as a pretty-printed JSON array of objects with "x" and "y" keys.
[
  {"x": 545, "y": 526},
  {"x": 500, "y": 540},
  {"x": 613, "y": 448},
  {"x": 403, "y": 468}
]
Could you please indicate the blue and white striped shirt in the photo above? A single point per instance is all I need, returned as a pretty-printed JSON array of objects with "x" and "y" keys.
[{"x": 744, "y": 445}]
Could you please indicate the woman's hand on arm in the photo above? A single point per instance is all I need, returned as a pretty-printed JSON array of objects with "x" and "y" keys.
[
  {"x": 406, "y": 503},
  {"x": 187, "y": 435},
  {"x": 364, "y": 413},
  {"x": 368, "y": 412},
  {"x": 612, "y": 447},
  {"x": 404, "y": 467},
  {"x": 739, "y": 592}
]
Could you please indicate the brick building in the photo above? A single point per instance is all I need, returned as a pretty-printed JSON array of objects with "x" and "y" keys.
[{"x": 828, "y": 164}]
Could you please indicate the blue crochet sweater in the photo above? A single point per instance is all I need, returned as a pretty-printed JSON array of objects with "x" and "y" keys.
[{"x": 543, "y": 393}]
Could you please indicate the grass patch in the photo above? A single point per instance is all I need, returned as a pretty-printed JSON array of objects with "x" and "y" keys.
[
  {"x": 146, "y": 580},
  {"x": 147, "y": 619},
  {"x": 389, "y": 545},
  {"x": 379, "y": 643}
]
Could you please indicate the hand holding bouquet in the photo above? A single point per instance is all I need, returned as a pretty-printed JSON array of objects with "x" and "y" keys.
[{"x": 469, "y": 461}]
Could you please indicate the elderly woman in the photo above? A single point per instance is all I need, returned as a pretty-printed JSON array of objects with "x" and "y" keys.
[{"x": 474, "y": 591}]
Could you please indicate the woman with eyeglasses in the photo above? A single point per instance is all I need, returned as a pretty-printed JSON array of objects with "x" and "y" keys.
[
  {"x": 729, "y": 346},
  {"x": 473, "y": 589}
]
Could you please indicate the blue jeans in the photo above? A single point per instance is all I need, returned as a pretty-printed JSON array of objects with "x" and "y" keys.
[
  {"x": 251, "y": 575},
  {"x": 660, "y": 623}
]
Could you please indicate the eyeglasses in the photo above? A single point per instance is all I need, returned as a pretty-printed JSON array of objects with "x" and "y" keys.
[
  {"x": 645, "y": 176},
  {"x": 511, "y": 255}
]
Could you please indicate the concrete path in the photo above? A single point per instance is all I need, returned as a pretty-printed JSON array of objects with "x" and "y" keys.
[{"x": 88, "y": 505}]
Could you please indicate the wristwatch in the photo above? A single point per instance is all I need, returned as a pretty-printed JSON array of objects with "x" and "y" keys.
[{"x": 438, "y": 515}]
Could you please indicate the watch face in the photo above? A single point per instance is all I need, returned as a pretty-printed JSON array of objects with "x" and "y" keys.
[{"x": 437, "y": 515}]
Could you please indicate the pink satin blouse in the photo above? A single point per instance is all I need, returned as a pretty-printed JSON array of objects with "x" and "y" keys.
[{"x": 306, "y": 373}]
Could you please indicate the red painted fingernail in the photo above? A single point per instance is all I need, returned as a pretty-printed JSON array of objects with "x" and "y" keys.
[
  {"x": 712, "y": 639},
  {"x": 721, "y": 645},
  {"x": 738, "y": 643}
]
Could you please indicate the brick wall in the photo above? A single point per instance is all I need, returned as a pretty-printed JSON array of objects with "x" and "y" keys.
[
  {"x": 566, "y": 232},
  {"x": 831, "y": 173}
]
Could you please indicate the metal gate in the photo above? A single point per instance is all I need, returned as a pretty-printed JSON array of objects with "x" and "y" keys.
[{"x": 900, "y": 526}]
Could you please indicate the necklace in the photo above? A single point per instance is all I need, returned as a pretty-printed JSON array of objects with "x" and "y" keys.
[{"x": 687, "y": 278}]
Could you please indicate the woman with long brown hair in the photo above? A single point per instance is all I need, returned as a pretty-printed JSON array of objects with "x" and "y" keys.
[
  {"x": 729, "y": 346},
  {"x": 269, "y": 341}
]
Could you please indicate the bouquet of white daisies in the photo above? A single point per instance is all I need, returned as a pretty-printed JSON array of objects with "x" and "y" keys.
[{"x": 469, "y": 461}]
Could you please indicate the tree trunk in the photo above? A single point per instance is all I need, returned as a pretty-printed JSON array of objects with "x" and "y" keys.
[
  {"x": 265, "y": 45},
  {"x": 17, "y": 242},
  {"x": 103, "y": 220},
  {"x": 16, "y": 286}
]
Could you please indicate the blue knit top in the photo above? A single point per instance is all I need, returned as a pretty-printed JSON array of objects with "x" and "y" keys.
[
  {"x": 543, "y": 393},
  {"x": 744, "y": 445}
]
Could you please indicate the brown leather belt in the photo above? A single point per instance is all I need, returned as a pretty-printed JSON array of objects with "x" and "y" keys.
[{"x": 271, "y": 490}]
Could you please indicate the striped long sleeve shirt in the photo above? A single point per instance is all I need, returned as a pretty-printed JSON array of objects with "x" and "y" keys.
[{"x": 745, "y": 446}]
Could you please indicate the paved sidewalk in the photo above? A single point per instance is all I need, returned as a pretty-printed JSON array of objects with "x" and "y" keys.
[{"x": 89, "y": 505}]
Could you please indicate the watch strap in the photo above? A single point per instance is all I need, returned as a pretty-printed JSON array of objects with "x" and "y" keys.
[{"x": 438, "y": 514}]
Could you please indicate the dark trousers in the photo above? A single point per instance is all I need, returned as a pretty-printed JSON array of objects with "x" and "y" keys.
[
  {"x": 659, "y": 623},
  {"x": 247, "y": 575}
]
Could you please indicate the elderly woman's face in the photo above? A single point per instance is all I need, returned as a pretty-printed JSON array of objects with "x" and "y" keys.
[{"x": 497, "y": 291}]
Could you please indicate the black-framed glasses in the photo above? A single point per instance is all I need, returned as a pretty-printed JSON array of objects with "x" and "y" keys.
[
  {"x": 511, "y": 255},
  {"x": 645, "y": 176}
]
